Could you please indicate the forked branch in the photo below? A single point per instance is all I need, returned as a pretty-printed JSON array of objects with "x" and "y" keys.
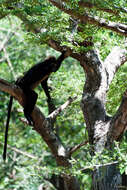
[
  {"x": 95, "y": 20},
  {"x": 43, "y": 128}
]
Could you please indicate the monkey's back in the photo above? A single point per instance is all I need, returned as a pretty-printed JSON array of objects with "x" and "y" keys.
[{"x": 35, "y": 75}]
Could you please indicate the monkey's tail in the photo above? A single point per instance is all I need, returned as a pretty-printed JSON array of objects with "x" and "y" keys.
[{"x": 7, "y": 126}]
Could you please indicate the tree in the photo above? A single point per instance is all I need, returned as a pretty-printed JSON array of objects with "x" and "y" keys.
[{"x": 80, "y": 27}]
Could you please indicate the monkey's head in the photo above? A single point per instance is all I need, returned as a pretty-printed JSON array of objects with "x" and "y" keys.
[
  {"x": 50, "y": 59},
  {"x": 52, "y": 62}
]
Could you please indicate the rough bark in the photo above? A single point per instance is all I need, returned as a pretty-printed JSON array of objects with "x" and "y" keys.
[
  {"x": 43, "y": 126},
  {"x": 107, "y": 178},
  {"x": 102, "y": 129},
  {"x": 124, "y": 181}
]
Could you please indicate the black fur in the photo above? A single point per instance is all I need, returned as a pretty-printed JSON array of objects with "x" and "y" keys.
[{"x": 39, "y": 73}]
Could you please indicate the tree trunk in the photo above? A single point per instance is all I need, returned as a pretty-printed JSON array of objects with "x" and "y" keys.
[
  {"x": 124, "y": 181},
  {"x": 107, "y": 178},
  {"x": 60, "y": 183},
  {"x": 102, "y": 129}
]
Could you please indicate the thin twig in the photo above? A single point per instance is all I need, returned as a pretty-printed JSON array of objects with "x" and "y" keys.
[
  {"x": 54, "y": 114},
  {"x": 5, "y": 41},
  {"x": 75, "y": 148},
  {"x": 2, "y": 59},
  {"x": 9, "y": 62},
  {"x": 21, "y": 152},
  {"x": 98, "y": 166},
  {"x": 24, "y": 121}
]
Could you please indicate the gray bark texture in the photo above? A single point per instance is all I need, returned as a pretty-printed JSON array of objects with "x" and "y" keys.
[
  {"x": 102, "y": 129},
  {"x": 107, "y": 178}
]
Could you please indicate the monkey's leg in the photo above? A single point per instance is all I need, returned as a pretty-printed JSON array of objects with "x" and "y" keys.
[
  {"x": 46, "y": 88},
  {"x": 31, "y": 98},
  {"x": 51, "y": 105}
]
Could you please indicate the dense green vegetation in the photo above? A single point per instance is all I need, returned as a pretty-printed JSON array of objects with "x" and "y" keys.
[
  {"x": 64, "y": 84},
  {"x": 30, "y": 168}
]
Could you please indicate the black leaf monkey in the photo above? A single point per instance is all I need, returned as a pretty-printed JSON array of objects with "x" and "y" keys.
[{"x": 39, "y": 73}]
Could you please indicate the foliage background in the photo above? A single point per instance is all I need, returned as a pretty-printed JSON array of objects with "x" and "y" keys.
[{"x": 24, "y": 50}]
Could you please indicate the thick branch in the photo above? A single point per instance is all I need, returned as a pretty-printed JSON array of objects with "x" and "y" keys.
[
  {"x": 119, "y": 121},
  {"x": 94, "y": 97},
  {"x": 95, "y": 20},
  {"x": 91, "y": 5},
  {"x": 114, "y": 60},
  {"x": 56, "y": 45},
  {"x": 41, "y": 125},
  {"x": 75, "y": 148},
  {"x": 9, "y": 88},
  {"x": 98, "y": 78}
]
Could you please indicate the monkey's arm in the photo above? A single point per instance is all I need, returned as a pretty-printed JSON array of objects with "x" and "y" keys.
[
  {"x": 56, "y": 66},
  {"x": 60, "y": 59}
]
